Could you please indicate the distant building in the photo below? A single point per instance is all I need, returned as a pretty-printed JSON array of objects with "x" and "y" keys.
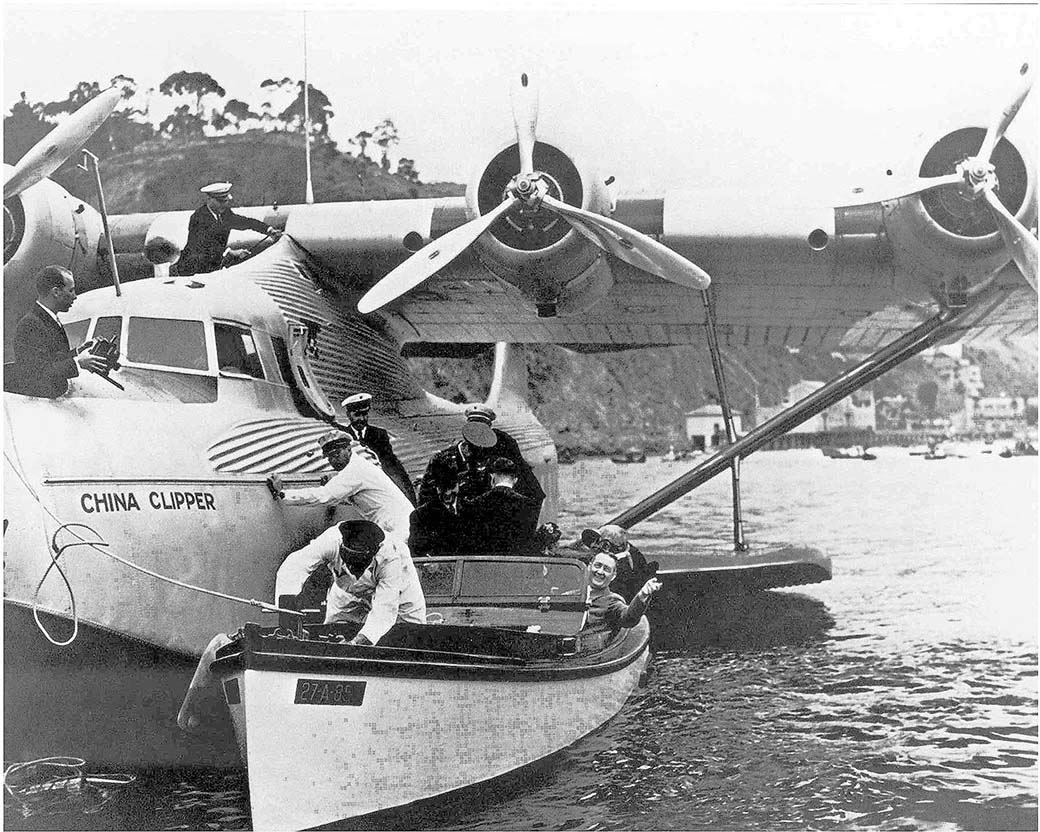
[
  {"x": 706, "y": 429},
  {"x": 999, "y": 414},
  {"x": 854, "y": 412}
]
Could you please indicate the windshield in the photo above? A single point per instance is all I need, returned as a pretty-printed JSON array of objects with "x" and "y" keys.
[{"x": 167, "y": 342}]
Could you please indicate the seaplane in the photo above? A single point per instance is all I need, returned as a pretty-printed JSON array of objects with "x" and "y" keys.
[{"x": 137, "y": 521}]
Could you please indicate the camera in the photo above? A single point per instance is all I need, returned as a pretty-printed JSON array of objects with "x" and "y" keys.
[{"x": 108, "y": 350}]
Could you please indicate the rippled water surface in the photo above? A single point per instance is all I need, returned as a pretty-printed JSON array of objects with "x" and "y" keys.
[{"x": 900, "y": 695}]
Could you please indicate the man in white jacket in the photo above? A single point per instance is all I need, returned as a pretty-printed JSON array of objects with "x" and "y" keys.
[
  {"x": 359, "y": 481},
  {"x": 373, "y": 580}
]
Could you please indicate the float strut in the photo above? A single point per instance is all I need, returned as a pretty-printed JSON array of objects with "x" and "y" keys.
[
  {"x": 708, "y": 296},
  {"x": 919, "y": 338}
]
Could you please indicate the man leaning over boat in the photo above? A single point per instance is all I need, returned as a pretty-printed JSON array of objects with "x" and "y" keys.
[{"x": 373, "y": 581}]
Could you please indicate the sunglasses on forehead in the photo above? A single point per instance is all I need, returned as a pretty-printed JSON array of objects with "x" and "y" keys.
[{"x": 603, "y": 545}]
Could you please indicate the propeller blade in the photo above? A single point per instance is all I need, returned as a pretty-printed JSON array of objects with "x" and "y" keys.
[
  {"x": 429, "y": 260},
  {"x": 1003, "y": 119},
  {"x": 629, "y": 245},
  {"x": 525, "y": 119},
  {"x": 1021, "y": 244},
  {"x": 910, "y": 187},
  {"x": 50, "y": 152}
]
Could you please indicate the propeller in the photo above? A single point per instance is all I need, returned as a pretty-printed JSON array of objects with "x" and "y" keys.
[
  {"x": 976, "y": 178},
  {"x": 50, "y": 152},
  {"x": 529, "y": 190}
]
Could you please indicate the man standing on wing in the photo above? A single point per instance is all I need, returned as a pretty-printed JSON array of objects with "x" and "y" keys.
[{"x": 210, "y": 227}]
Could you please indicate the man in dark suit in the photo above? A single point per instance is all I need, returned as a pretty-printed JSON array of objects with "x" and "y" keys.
[
  {"x": 44, "y": 359},
  {"x": 377, "y": 440},
  {"x": 210, "y": 227},
  {"x": 632, "y": 568},
  {"x": 505, "y": 445},
  {"x": 501, "y": 521},
  {"x": 434, "y": 527}
]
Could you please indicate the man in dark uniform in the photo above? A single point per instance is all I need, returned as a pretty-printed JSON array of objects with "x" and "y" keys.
[
  {"x": 44, "y": 359},
  {"x": 466, "y": 459},
  {"x": 434, "y": 527},
  {"x": 502, "y": 520},
  {"x": 505, "y": 445},
  {"x": 478, "y": 422},
  {"x": 377, "y": 440},
  {"x": 209, "y": 228}
]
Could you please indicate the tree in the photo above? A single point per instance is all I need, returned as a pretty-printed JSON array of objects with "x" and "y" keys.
[
  {"x": 238, "y": 113},
  {"x": 927, "y": 394},
  {"x": 320, "y": 111},
  {"x": 199, "y": 84},
  {"x": 360, "y": 141},
  {"x": 77, "y": 97},
  {"x": 275, "y": 93},
  {"x": 182, "y": 123},
  {"x": 23, "y": 128},
  {"x": 406, "y": 168},
  {"x": 385, "y": 134}
]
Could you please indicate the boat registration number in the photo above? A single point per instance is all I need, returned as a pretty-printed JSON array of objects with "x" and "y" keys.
[{"x": 327, "y": 692}]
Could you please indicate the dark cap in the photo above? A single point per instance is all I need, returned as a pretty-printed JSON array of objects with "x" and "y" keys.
[
  {"x": 479, "y": 435},
  {"x": 361, "y": 535},
  {"x": 502, "y": 465},
  {"x": 480, "y": 413}
]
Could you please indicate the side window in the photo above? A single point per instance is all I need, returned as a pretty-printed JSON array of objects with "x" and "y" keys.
[
  {"x": 236, "y": 351},
  {"x": 167, "y": 342},
  {"x": 77, "y": 332},
  {"x": 109, "y": 328}
]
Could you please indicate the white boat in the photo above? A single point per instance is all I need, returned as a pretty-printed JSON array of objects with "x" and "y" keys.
[{"x": 508, "y": 677}]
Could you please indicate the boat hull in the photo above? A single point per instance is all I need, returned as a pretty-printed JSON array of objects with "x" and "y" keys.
[{"x": 411, "y": 732}]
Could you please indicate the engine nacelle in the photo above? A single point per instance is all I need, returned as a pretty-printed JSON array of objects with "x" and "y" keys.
[
  {"x": 537, "y": 251},
  {"x": 44, "y": 225},
  {"x": 946, "y": 235}
]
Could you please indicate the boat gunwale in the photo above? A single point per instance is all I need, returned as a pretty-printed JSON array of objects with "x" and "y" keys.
[{"x": 621, "y": 652}]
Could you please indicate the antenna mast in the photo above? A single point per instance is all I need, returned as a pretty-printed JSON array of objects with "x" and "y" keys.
[{"x": 309, "y": 196}]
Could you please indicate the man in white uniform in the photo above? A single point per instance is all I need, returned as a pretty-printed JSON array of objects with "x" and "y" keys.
[
  {"x": 374, "y": 581},
  {"x": 359, "y": 481}
]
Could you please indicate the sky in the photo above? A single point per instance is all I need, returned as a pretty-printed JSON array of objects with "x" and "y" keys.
[{"x": 727, "y": 96}]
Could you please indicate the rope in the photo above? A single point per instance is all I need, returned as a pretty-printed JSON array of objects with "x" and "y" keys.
[{"x": 97, "y": 545}]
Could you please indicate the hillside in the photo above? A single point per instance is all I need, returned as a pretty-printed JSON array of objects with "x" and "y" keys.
[
  {"x": 265, "y": 168},
  {"x": 588, "y": 402}
]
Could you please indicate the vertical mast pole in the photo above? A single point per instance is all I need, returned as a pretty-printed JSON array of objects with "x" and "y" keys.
[{"x": 309, "y": 196}]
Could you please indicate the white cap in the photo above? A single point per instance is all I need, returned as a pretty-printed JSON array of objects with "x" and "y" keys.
[
  {"x": 357, "y": 401},
  {"x": 217, "y": 189}
]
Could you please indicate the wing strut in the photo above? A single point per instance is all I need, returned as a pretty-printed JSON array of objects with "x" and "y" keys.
[
  {"x": 905, "y": 346},
  {"x": 708, "y": 296}
]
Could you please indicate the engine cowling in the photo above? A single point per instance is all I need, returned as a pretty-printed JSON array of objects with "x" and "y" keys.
[
  {"x": 947, "y": 234},
  {"x": 45, "y": 225},
  {"x": 537, "y": 251}
]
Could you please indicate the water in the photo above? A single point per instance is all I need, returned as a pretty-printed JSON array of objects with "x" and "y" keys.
[{"x": 900, "y": 695}]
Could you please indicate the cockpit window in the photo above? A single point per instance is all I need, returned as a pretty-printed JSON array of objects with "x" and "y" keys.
[
  {"x": 236, "y": 351},
  {"x": 77, "y": 332},
  {"x": 110, "y": 328},
  {"x": 167, "y": 342}
]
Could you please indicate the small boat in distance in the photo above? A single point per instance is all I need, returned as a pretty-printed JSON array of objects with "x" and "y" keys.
[
  {"x": 504, "y": 674},
  {"x": 1023, "y": 447},
  {"x": 633, "y": 453},
  {"x": 851, "y": 452}
]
